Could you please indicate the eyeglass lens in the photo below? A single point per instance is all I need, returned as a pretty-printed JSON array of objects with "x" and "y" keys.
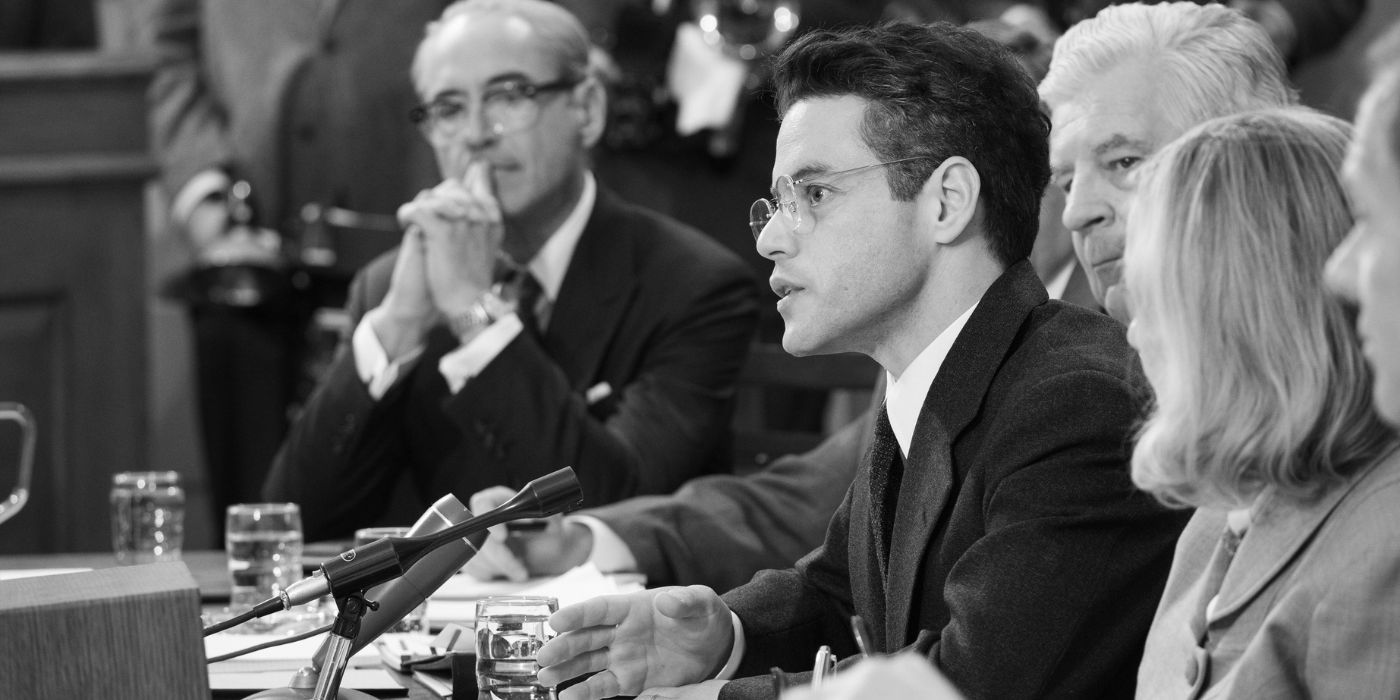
[{"x": 785, "y": 202}]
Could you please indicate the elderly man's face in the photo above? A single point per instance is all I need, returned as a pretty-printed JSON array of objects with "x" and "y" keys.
[
  {"x": 1366, "y": 266},
  {"x": 476, "y": 54},
  {"x": 1097, "y": 142}
]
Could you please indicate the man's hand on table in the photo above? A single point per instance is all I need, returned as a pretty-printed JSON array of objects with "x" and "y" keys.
[{"x": 660, "y": 638}]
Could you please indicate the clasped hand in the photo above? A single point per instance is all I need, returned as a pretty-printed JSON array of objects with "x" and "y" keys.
[
  {"x": 445, "y": 261},
  {"x": 662, "y": 637}
]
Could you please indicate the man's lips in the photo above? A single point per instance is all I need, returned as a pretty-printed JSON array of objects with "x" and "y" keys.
[{"x": 784, "y": 288}]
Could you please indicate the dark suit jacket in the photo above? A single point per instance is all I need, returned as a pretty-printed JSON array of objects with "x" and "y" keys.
[
  {"x": 720, "y": 530},
  {"x": 1023, "y": 563},
  {"x": 655, "y": 309}
]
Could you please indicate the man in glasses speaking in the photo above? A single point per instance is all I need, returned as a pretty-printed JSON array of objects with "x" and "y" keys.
[
  {"x": 992, "y": 526},
  {"x": 530, "y": 319}
]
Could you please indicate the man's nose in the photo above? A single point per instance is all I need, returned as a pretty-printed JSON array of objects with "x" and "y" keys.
[
  {"x": 478, "y": 131},
  {"x": 1086, "y": 207},
  {"x": 776, "y": 239}
]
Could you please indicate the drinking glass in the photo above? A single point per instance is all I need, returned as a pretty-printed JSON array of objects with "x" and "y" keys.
[
  {"x": 264, "y": 543},
  {"x": 148, "y": 517},
  {"x": 509, "y": 631},
  {"x": 417, "y": 619}
]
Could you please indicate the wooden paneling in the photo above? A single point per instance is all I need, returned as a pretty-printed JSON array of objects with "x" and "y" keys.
[{"x": 73, "y": 165}]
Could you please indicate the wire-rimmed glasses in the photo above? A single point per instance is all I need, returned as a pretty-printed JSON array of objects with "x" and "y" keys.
[
  {"x": 787, "y": 202},
  {"x": 506, "y": 107}
]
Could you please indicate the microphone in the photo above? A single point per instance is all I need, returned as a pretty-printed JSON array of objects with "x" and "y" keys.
[
  {"x": 397, "y": 597},
  {"x": 369, "y": 565}
]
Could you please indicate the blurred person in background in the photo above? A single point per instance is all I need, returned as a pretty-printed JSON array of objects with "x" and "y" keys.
[
  {"x": 530, "y": 319},
  {"x": 306, "y": 103}
]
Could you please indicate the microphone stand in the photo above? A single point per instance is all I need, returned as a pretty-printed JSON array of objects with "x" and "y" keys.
[{"x": 353, "y": 572}]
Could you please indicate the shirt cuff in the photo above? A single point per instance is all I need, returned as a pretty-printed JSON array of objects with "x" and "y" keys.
[
  {"x": 196, "y": 190},
  {"x": 468, "y": 360},
  {"x": 610, "y": 554},
  {"x": 731, "y": 666},
  {"x": 372, "y": 363}
]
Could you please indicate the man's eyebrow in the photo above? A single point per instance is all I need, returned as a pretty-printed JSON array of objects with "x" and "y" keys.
[
  {"x": 514, "y": 77},
  {"x": 1117, "y": 141}
]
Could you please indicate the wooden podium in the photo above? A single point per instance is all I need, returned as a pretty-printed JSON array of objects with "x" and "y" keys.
[
  {"x": 128, "y": 632},
  {"x": 73, "y": 169}
]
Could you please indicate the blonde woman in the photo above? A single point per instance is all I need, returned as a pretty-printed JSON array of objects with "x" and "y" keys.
[{"x": 1286, "y": 583}]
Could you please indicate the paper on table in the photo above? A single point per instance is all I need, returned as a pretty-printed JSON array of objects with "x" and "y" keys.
[
  {"x": 9, "y": 574},
  {"x": 273, "y": 667},
  {"x": 456, "y": 600}
]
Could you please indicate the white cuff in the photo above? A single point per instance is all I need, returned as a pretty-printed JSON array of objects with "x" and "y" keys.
[
  {"x": 468, "y": 360},
  {"x": 196, "y": 190},
  {"x": 372, "y": 363},
  {"x": 732, "y": 665},
  {"x": 610, "y": 554}
]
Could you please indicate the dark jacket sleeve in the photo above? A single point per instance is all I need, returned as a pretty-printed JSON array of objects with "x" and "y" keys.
[{"x": 720, "y": 530}]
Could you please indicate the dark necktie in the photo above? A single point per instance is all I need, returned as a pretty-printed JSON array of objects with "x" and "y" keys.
[
  {"x": 886, "y": 470},
  {"x": 527, "y": 300}
]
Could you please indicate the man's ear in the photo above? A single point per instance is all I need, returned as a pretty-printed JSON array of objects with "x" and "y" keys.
[
  {"x": 948, "y": 200},
  {"x": 591, "y": 99}
]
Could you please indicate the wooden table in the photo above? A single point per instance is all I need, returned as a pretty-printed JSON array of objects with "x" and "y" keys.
[{"x": 210, "y": 572}]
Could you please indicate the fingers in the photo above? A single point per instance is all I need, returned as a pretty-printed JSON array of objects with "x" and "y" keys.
[
  {"x": 495, "y": 560},
  {"x": 487, "y": 499},
  {"x": 603, "y": 610},
  {"x": 567, "y": 648},
  {"x": 689, "y": 602},
  {"x": 583, "y": 664},
  {"x": 601, "y": 685}
]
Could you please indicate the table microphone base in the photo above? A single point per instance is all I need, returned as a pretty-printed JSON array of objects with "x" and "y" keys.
[{"x": 303, "y": 687}]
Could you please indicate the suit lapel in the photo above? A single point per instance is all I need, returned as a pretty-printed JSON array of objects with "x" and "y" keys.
[
  {"x": 1278, "y": 533},
  {"x": 953, "y": 400},
  {"x": 596, "y": 287}
]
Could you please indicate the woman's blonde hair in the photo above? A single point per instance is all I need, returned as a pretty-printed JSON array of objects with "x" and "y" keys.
[{"x": 1259, "y": 376}]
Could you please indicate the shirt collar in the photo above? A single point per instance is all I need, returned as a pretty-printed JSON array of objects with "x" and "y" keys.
[
  {"x": 1059, "y": 282},
  {"x": 552, "y": 261},
  {"x": 904, "y": 397}
]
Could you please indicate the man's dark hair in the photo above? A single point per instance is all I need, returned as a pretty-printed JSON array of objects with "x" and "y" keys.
[{"x": 936, "y": 90}]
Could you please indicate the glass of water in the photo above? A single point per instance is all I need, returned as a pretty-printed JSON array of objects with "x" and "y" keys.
[
  {"x": 148, "y": 517},
  {"x": 264, "y": 542},
  {"x": 509, "y": 631}
]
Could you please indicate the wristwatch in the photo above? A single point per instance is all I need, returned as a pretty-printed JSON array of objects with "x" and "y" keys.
[{"x": 480, "y": 315}]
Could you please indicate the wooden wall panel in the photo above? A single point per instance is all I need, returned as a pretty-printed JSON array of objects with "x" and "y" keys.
[{"x": 73, "y": 165}]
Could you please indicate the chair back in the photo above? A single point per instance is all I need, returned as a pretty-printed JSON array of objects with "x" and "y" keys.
[
  {"x": 19, "y": 495},
  {"x": 787, "y": 405}
]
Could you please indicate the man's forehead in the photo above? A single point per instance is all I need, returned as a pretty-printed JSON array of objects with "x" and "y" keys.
[{"x": 821, "y": 134}]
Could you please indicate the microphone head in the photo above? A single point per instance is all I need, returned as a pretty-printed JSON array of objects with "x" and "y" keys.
[{"x": 556, "y": 492}]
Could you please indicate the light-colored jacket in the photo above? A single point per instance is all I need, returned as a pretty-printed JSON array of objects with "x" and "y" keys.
[{"x": 1308, "y": 608}]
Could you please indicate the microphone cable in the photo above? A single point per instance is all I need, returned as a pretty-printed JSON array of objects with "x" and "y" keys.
[{"x": 270, "y": 644}]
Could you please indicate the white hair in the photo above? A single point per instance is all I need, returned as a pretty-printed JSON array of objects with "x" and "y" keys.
[{"x": 1211, "y": 60}]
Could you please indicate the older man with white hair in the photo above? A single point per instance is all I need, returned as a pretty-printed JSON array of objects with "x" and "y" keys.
[{"x": 1124, "y": 84}]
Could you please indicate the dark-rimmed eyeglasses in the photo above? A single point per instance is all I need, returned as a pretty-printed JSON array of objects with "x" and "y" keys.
[
  {"x": 505, "y": 107},
  {"x": 796, "y": 207}
]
